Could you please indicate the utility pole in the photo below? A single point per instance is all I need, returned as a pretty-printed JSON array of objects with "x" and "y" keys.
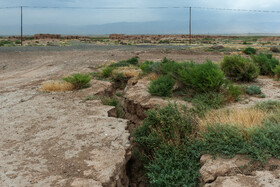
[
  {"x": 21, "y": 26},
  {"x": 190, "y": 25}
]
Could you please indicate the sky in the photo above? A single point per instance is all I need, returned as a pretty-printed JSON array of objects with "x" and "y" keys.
[{"x": 150, "y": 21}]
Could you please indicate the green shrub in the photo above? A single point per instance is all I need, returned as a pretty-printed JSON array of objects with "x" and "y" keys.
[
  {"x": 6, "y": 43},
  {"x": 120, "y": 64},
  {"x": 164, "y": 42},
  {"x": 133, "y": 61},
  {"x": 165, "y": 126},
  {"x": 109, "y": 101},
  {"x": 79, "y": 80},
  {"x": 250, "y": 51},
  {"x": 268, "y": 106},
  {"x": 265, "y": 141},
  {"x": 226, "y": 140},
  {"x": 149, "y": 67},
  {"x": 234, "y": 92},
  {"x": 163, "y": 86},
  {"x": 207, "y": 101},
  {"x": 276, "y": 71},
  {"x": 17, "y": 42},
  {"x": 239, "y": 68},
  {"x": 170, "y": 67},
  {"x": 107, "y": 72},
  {"x": 204, "y": 77},
  {"x": 124, "y": 63},
  {"x": 266, "y": 63},
  {"x": 252, "y": 90},
  {"x": 174, "y": 167},
  {"x": 113, "y": 101}
]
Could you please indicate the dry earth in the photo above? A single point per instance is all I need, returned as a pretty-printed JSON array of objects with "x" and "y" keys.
[{"x": 54, "y": 139}]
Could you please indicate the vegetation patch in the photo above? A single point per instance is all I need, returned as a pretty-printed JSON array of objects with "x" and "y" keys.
[
  {"x": 266, "y": 63},
  {"x": 131, "y": 61},
  {"x": 207, "y": 101},
  {"x": 243, "y": 117},
  {"x": 250, "y": 51},
  {"x": 56, "y": 86},
  {"x": 233, "y": 92},
  {"x": 239, "y": 68},
  {"x": 170, "y": 145},
  {"x": 163, "y": 86},
  {"x": 78, "y": 80},
  {"x": 252, "y": 90},
  {"x": 204, "y": 77},
  {"x": 114, "y": 101}
]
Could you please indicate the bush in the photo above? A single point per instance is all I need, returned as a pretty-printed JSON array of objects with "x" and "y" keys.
[
  {"x": 17, "y": 42},
  {"x": 113, "y": 101},
  {"x": 266, "y": 63},
  {"x": 250, "y": 51},
  {"x": 149, "y": 67},
  {"x": 79, "y": 80},
  {"x": 268, "y": 106},
  {"x": 174, "y": 167},
  {"x": 259, "y": 143},
  {"x": 124, "y": 63},
  {"x": 265, "y": 141},
  {"x": 133, "y": 61},
  {"x": 6, "y": 42},
  {"x": 163, "y": 86},
  {"x": 276, "y": 71},
  {"x": 234, "y": 92},
  {"x": 109, "y": 101},
  {"x": 165, "y": 126},
  {"x": 170, "y": 67},
  {"x": 239, "y": 68},
  {"x": 205, "y": 77},
  {"x": 226, "y": 140},
  {"x": 107, "y": 72},
  {"x": 207, "y": 101},
  {"x": 253, "y": 90}
]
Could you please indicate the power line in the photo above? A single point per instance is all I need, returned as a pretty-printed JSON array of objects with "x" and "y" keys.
[
  {"x": 238, "y": 10},
  {"x": 10, "y": 7},
  {"x": 130, "y": 8}
]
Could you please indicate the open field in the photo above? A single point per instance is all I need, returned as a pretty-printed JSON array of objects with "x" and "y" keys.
[{"x": 73, "y": 138}]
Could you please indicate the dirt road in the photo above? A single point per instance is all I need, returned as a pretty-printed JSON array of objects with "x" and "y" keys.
[{"x": 54, "y": 139}]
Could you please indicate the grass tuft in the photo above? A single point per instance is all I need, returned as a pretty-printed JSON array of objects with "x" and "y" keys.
[{"x": 56, "y": 86}]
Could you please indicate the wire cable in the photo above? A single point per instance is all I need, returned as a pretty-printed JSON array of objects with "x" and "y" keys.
[{"x": 131, "y": 8}]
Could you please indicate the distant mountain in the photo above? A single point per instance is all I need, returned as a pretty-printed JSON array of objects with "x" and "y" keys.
[{"x": 156, "y": 27}]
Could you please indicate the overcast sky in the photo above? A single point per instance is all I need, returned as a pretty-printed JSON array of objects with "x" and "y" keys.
[{"x": 204, "y": 21}]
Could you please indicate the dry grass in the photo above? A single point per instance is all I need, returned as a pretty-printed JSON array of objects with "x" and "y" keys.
[
  {"x": 56, "y": 86},
  {"x": 151, "y": 77},
  {"x": 127, "y": 72},
  {"x": 244, "y": 117}
]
